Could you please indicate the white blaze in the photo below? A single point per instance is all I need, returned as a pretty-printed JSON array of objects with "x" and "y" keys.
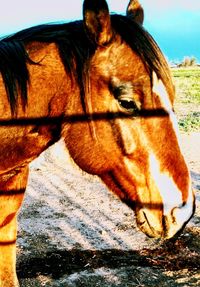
[{"x": 170, "y": 194}]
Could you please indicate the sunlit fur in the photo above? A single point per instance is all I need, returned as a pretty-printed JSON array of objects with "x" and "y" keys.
[{"x": 104, "y": 86}]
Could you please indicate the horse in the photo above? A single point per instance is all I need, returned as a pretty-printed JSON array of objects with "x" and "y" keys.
[{"x": 103, "y": 85}]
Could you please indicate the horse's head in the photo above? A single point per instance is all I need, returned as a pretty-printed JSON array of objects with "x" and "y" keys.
[{"x": 131, "y": 139}]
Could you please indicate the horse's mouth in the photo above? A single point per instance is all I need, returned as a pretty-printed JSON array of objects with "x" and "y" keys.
[{"x": 144, "y": 224}]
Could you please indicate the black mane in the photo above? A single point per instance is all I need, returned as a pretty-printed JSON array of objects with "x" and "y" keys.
[{"x": 72, "y": 43}]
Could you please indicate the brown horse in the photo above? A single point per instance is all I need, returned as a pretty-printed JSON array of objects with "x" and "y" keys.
[{"x": 104, "y": 86}]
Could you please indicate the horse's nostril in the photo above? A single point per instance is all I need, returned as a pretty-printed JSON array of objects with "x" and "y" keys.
[
  {"x": 165, "y": 224},
  {"x": 173, "y": 217}
]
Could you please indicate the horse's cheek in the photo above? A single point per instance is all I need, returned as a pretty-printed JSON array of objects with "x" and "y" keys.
[{"x": 85, "y": 150}]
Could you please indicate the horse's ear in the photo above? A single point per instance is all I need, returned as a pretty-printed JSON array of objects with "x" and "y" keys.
[
  {"x": 135, "y": 11},
  {"x": 97, "y": 21}
]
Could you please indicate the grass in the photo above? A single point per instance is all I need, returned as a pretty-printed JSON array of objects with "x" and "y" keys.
[{"x": 187, "y": 105}]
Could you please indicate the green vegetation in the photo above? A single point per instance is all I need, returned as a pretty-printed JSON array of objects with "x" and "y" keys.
[
  {"x": 190, "y": 122},
  {"x": 187, "y": 105}
]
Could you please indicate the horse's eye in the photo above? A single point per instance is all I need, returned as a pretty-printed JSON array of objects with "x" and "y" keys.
[{"x": 128, "y": 104}]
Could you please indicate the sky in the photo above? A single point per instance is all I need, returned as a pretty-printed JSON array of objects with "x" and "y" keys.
[{"x": 174, "y": 24}]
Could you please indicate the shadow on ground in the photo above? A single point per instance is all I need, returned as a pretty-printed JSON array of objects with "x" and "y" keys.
[{"x": 168, "y": 257}]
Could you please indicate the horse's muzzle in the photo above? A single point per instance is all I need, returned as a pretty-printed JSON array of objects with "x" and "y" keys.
[{"x": 164, "y": 226}]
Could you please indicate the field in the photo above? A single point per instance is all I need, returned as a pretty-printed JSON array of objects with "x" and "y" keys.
[
  {"x": 187, "y": 107},
  {"x": 73, "y": 232}
]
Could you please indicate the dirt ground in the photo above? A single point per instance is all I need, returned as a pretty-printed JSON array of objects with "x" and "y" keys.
[{"x": 73, "y": 232}]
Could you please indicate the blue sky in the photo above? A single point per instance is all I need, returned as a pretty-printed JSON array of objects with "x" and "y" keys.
[{"x": 173, "y": 23}]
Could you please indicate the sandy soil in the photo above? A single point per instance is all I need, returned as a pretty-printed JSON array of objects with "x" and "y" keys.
[{"x": 74, "y": 232}]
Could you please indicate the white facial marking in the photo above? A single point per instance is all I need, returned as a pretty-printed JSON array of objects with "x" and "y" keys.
[
  {"x": 185, "y": 212},
  {"x": 171, "y": 195},
  {"x": 160, "y": 90},
  {"x": 169, "y": 192}
]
